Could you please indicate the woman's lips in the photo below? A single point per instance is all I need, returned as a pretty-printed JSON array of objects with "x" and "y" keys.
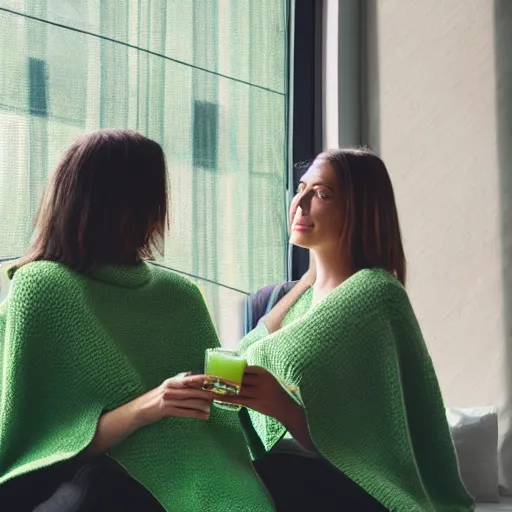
[{"x": 302, "y": 227}]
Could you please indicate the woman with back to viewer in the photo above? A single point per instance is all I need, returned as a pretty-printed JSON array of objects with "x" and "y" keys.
[
  {"x": 341, "y": 389},
  {"x": 93, "y": 340}
]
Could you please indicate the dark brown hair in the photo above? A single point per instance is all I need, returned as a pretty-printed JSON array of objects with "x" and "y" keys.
[
  {"x": 371, "y": 227},
  {"x": 106, "y": 203}
]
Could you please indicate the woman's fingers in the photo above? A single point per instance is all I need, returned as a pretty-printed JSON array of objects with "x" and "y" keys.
[
  {"x": 254, "y": 370},
  {"x": 193, "y": 381},
  {"x": 193, "y": 403},
  {"x": 185, "y": 380},
  {"x": 186, "y": 394},
  {"x": 250, "y": 391},
  {"x": 182, "y": 374},
  {"x": 189, "y": 413},
  {"x": 250, "y": 380},
  {"x": 254, "y": 375}
]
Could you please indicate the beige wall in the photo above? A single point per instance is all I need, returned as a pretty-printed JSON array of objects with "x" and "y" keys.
[
  {"x": 434, "y": 123},
  {"x": 438, "y": 97}
]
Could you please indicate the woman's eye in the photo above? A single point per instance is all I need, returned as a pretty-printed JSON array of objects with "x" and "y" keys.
[
  {"x": 300, "y": 188},
  {"x": 321, "y": 194}
]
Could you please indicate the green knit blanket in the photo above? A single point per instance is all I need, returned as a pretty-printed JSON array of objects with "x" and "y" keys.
[
  {"x": 73, "y": 346},
  {"x": 358, "y": 364}
]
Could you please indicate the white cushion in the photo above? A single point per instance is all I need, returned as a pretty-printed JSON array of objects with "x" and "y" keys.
[{"x": 475, "y": 435}]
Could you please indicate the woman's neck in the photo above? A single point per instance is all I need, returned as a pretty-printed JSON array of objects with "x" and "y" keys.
[{"x": 331, "y": 270}]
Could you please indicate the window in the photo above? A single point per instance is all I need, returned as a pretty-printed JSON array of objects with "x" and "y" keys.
[{"x": 208, "y": 79}]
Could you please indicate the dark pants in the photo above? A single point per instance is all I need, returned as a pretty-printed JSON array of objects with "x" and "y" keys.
[
  {"x": 304, "y": 483},
  {"x": 98, "y": 486}
]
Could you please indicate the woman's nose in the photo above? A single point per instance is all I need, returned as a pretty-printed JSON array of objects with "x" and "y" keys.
[{"x": 305, "y": 202}]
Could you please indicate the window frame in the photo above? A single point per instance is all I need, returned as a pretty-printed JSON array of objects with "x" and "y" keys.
[{"x": 306, "y": 112}]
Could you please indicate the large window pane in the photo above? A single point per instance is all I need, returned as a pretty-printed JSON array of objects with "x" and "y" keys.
[{"x": 205, "y": 78}]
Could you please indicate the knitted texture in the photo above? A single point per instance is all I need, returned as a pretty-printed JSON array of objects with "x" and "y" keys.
[
  {"x": 359, "y": 364},
  {"x": 72, "y": 346}
]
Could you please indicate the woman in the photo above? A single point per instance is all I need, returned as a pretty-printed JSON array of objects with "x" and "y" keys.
[
  {"x": 341, "y": 388},
  {"x": 91, "y": 339}
]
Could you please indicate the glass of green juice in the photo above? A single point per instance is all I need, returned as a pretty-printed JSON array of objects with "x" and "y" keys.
[{"x": 224, "y": 370}]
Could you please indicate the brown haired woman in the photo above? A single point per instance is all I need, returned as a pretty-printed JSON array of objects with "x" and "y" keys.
[
  {"x": 341, "y": 389},
  {"x": 91, "y": 336}
]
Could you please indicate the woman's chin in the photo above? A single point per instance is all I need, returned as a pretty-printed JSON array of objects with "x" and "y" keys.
[{"x": 301, "y": 240}]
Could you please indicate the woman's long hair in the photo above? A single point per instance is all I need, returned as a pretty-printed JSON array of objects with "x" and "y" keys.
[
  {"x": 106, "y": 203},
  {"x": 371, "y": 230}
]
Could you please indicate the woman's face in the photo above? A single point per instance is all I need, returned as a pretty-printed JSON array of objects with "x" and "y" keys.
[{"x": 315, "y": 214}]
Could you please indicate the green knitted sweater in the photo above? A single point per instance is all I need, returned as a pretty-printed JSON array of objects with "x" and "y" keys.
[
  {"x": 73, "y": 346},
  {"x": 359, "y": 366}
]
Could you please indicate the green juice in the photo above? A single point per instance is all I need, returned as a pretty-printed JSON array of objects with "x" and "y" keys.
[
  {"x": 224, "y": 370},
  {"x": 225, "y": 365}
]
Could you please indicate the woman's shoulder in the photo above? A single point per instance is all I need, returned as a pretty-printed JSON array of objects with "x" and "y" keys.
[
  {"x": 175, "y": 282},
  {"x": 367, "y": 292},
  {"x": 377, "y": 282},
  {"x": 42, "y": 274},
  {"x": 38, "y": 284},
  {"x": 376, "y": 277},
  {"x": 39, "y": 270}
]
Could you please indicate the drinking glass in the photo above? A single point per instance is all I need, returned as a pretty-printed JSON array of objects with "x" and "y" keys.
[{"x": 224, "y": 370}]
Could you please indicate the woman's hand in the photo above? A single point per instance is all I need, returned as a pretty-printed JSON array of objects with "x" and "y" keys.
[
  {"x": 262, "y": 392},
  {"x": 179, "y": 396}
]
